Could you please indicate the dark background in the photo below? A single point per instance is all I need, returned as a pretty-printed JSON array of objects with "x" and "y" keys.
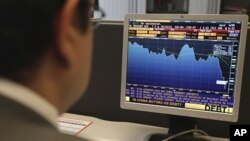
[{"x": 102, "y": 98}]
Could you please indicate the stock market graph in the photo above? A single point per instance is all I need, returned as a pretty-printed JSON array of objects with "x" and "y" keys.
[{"x": 183, "y": 63}]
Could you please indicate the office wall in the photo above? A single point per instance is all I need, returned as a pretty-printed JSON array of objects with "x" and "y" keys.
[
  {"x": 102, "y": 99},
  {"x": 116, "y": 9},
  {"x": 204, "y": 6}
]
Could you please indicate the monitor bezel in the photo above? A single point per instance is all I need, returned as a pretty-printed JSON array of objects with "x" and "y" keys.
[{"x": 179, "y": 111}]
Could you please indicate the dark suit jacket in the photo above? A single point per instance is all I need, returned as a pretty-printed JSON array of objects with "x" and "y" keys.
[{"x": 19, "y": 123}]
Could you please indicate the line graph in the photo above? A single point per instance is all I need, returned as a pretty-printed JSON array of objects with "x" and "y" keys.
[{"x": 178, "y": 64}]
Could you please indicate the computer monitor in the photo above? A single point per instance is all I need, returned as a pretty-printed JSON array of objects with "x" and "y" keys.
[{"x": 184, "y": 65}]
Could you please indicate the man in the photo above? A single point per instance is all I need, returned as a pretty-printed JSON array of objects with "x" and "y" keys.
[{"x": 45, "y": 57}]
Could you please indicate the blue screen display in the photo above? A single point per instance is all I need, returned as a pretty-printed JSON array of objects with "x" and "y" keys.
[{"x": 184, "y": 64}]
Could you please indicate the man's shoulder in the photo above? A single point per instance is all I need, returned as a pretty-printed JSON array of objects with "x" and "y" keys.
[{"x": 18, "y": 122}]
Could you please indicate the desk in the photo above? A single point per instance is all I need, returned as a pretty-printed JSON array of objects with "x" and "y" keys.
[{"x": 102, "y": 130}]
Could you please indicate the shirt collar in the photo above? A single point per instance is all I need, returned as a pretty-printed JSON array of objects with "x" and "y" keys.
[{"x": 30, "y": 99}]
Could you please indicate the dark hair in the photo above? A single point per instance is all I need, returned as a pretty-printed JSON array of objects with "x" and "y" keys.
[{"x": 26, "y": 31}]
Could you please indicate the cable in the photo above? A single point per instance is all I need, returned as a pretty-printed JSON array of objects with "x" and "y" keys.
[{"x": 186, "y": 132}]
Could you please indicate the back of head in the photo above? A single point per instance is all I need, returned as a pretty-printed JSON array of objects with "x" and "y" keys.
[
  {"x": 27, "y": 32},
  {"x": 41, "y": 38}
]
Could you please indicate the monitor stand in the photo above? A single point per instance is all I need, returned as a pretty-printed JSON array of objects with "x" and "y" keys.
[{"x": 179, "y": 124}]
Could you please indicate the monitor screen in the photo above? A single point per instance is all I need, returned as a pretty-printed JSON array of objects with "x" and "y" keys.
[{"x": 182, "y": 64}]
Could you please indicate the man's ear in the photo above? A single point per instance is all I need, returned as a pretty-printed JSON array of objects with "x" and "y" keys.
[{"x": 64, "y": 37}]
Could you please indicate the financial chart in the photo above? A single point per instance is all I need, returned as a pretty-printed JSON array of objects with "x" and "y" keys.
[
  {"x": 183, "y": 63},
  {"x": 186, "y": 64}
]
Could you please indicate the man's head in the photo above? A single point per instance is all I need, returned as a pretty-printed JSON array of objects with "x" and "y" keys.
[{"x": 46, "y": 45}]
